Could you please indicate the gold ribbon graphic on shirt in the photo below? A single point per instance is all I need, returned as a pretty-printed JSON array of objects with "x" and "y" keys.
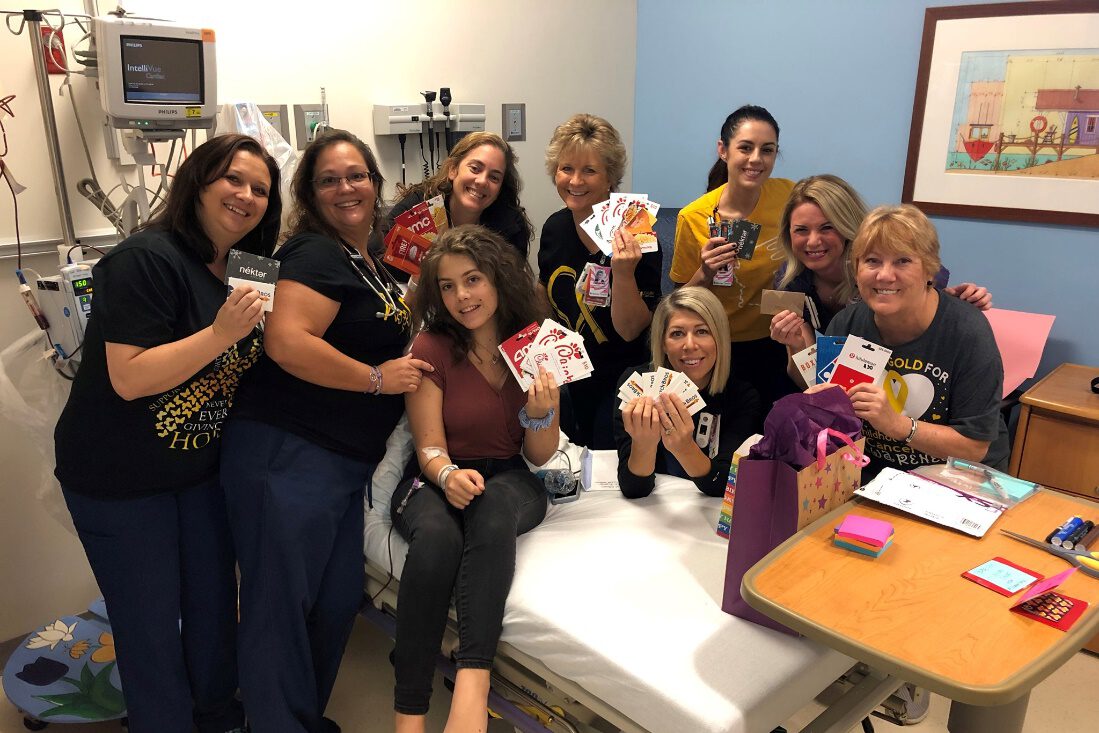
[{"x": 585, "y": 313}]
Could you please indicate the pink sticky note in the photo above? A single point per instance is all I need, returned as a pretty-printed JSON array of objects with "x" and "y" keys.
[
  {"x": 1044, "y": 586},
  {"x": 865, "y": 529},
  {"x": 1021, "y": 337}
]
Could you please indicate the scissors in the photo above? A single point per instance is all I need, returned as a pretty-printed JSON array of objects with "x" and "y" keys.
[{"x": 1086, "y": 562}]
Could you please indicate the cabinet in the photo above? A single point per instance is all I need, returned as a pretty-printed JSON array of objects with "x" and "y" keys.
[{"x": 1057, "y": 438}]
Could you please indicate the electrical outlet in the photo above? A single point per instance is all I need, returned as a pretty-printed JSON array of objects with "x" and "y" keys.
[
  {"x": 514, "y": 122},
  {"x": 306, "y": 119}
]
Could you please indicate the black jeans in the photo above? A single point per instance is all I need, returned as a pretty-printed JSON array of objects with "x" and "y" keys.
[{"x": 470, "y": 552}]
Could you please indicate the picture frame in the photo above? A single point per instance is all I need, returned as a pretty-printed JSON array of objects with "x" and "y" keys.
[{"x": 1005, "y": 119}]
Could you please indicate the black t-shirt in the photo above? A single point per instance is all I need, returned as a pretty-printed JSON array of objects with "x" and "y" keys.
[
  {"x": 351, "y": 423},
  {"x": 561, "y": 259},
  {"x": 149, "y": 291}
]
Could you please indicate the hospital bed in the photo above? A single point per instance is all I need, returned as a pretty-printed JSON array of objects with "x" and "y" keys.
[{"x": 614, "y": 617}]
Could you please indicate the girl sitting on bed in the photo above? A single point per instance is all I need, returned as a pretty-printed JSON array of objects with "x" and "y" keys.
[
  {"x": 689, "y": 334},
  {"x": 471, "y": 424}
]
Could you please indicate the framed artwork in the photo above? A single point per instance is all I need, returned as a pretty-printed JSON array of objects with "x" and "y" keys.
[{"x": 1005, "y": 122}]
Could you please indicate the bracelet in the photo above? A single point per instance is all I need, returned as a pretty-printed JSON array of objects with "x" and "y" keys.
[
  {"x": 535, "y": 423},
  {"x": 444, "y": 473},
  {"x": 375, "y": 381},
  {"x": 912, "y": 432}
]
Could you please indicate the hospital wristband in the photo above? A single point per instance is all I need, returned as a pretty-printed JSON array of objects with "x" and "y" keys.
[
  {"x": 912, "y": 432},
  {"x": 444, "y": 473}
]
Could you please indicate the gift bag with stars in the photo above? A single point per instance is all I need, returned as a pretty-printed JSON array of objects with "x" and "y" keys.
[{"x": 809, "y": 462}]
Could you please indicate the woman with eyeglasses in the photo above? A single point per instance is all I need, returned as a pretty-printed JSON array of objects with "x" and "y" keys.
[
  {"x": 480, "y": 184},
  {"x": 309, "y": 426}
]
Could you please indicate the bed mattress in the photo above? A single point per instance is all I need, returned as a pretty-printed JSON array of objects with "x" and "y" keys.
[{"x": 623, "y": 597}]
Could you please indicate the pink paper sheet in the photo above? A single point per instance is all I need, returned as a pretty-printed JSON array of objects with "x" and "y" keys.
[{"x": 1021, "y": 337}]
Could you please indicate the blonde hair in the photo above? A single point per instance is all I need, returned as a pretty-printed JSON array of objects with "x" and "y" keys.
[
  {"x": 898, "y": 230},
  {"x": 706, "y": 306},
  {"x": 841, "y": 205},
  {"x": 588, "y": 132}
]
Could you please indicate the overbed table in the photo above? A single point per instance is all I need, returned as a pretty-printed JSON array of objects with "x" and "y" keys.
[{"x": 911, "y": 616}]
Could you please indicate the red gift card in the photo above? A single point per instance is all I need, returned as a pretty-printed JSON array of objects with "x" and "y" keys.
[
  {"x": 515, "y": 351},
  {"x": 404, "y": 249},
  {"x": 1042, "y": 603}
]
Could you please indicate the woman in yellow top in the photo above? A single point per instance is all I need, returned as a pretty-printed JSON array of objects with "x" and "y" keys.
[{"x": 741, "y": 188}]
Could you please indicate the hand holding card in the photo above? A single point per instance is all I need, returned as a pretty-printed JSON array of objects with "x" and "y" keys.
[{"x": 260, "y": 273}]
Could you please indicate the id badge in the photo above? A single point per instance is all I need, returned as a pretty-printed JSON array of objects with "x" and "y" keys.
[
  {"x": 598, "y": 289},
  {"x": 706, "y": 435}
]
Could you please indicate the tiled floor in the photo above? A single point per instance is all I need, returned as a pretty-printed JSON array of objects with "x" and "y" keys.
[{"x": 362, "y": 701}]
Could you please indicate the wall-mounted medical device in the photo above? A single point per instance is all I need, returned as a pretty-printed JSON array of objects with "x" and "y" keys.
[
  {"x": 155, "y": 75},
  {"x": 399, "y": 119},
  {"x": 66, "y": 302}
]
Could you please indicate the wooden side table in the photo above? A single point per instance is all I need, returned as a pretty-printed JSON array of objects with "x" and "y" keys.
[{"x": 1057, "y": 438}]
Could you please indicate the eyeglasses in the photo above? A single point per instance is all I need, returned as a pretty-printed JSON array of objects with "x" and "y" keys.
[{"x": 326, "y": 183}]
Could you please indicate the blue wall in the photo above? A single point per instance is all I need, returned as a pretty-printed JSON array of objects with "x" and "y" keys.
[{"x": 839, "y": 77}]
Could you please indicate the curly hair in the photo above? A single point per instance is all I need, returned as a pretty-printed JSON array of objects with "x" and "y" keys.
[
  {"x": 504, "y": 215},
  {"x": 306, "y": 216},
  {"x": 841, "y": 205},
  {"x": 519, "y": 299},
  {"x": 588, "y": 132},
  {"x": 206, "y": 164}
]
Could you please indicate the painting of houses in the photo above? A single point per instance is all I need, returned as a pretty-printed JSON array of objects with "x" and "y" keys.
[{"x": 1027, "y": 113}]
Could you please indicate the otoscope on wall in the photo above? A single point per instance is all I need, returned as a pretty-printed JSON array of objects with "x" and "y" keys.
[{"x": 444, "y": 99}]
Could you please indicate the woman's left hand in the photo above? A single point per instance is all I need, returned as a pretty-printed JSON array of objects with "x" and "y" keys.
[
  {"x": 543, "y": 395},
  {"x": 970, "y": 293},
  {"x": 625, "y": 253},
  {"x": 679, "y": 427},
  {"x": 871, "y": 404}
]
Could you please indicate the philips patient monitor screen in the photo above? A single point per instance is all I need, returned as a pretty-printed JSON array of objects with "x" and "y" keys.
[{"x": 156, "y": 76}]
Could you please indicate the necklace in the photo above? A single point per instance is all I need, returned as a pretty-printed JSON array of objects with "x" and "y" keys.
[{"x": 386, "y": 288}]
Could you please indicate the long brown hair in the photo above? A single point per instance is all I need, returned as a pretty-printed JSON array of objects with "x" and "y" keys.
[
  {"x": 504, "y": 215},
  {"x": 519, "y": 299}
]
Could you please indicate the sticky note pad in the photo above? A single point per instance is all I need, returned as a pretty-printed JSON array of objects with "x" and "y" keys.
[{"x": 874, "y": 532}]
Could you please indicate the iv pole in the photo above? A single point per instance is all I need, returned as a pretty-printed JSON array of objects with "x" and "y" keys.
[{"x": 33, "y": 19}]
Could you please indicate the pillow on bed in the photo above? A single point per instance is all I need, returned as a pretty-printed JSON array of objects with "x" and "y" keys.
[{"x": 399, "y": 448}]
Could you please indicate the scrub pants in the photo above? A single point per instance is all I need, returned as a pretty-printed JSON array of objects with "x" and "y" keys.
[
  {"x": 470, "y": 553},
  {"x": 165, "y": 566},
  {"x": 762, "y": 363},
  {"x": 296, "y": 510}
]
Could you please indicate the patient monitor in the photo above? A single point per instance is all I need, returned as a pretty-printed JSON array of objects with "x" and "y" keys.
[{"x": 156, "y": 76}]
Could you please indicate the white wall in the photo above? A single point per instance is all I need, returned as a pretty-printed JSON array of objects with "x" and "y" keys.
[{"x": 558, "y": 58}]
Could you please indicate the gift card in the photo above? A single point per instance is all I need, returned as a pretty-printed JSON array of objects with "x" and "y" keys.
[
  {"x": 1002, "y": 576},
  {"x": 806, "y": 363},
  {"x": 259, "y": 273},
  {"x": 860, "y": 361},
  {"x": 1042, "y": 603},
  {"x": 828, "y": 350},
  {"x": 744, "y": 236},
  {"x": 776, "y": 301},
  {"x": 515, "y": 351},
  {"x": 639, "y": 219},
  {"x": 593, "y": 228},
  {"x": 427, "y": 218},
  {"x": 404, "y": 249}
]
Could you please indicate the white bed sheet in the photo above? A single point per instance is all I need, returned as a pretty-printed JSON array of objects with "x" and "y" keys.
[{"x": 623, "y": 597}]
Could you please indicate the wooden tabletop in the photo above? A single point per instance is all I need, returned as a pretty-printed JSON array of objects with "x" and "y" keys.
[
  {"x": 1067, "y": 389},
  {"x": 911, "y": 614}
]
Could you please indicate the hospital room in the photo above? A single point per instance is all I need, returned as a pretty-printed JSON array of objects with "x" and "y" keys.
[{"x": 215, "y": 517}]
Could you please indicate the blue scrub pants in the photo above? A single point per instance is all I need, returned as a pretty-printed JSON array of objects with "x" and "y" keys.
[
  {"x": 165, "y": 566},
  {"x": 296, "y": 510}
]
